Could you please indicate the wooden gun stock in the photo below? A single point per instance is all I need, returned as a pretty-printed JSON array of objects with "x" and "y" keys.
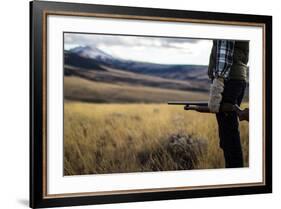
[
  {"x": 203, "y": 107},
  {"x": 242, "y": 114}
]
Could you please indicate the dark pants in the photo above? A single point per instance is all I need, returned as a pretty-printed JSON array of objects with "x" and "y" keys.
[{"x": 229, "y": 125}]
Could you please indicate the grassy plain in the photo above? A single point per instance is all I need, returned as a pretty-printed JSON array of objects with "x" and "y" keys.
[
  {"x": 80, "y": 89},
  {"x": 107, "y": 138}
]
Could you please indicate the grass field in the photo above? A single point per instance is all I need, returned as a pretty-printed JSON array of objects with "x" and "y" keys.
[
  {"x": 80, "y": 89},
  {"x": 107, "y": 138}
]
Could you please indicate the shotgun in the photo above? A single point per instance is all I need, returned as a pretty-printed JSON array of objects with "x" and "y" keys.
[{"x": 201, "y": 106}]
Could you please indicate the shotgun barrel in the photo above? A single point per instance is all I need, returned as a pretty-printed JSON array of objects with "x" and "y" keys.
[{"x": 200, "y": 103}]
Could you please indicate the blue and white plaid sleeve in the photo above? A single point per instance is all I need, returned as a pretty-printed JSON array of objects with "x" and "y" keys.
[{"x": 224, "y": 58}]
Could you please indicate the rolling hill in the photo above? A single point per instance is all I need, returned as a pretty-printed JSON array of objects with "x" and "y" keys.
[
  {"x": 92, "y": 75},
  {"x": 91, "y": 58}
]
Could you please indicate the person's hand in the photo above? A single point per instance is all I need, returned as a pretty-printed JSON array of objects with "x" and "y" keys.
[{"x": 215, "y": 97}]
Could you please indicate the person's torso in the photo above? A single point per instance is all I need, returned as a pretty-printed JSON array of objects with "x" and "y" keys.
[{"x": 239, "y": 66}]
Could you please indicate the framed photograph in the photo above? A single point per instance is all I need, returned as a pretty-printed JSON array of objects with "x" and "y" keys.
[{"x": 139, "y": 104}]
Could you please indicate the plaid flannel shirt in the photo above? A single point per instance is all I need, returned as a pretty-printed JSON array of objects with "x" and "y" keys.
[{"x": 224, "y": 58}]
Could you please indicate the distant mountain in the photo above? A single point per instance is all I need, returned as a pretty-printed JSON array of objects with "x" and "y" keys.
[
  {"x": 92, "y": 58},
  {"x": 179, "y": 72},
  {"x": 92, "y": 53},
  {"x": 74, "y": 59}
]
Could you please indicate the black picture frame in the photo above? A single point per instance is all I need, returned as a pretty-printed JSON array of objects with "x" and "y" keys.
[{"x": 39, "y": 10}]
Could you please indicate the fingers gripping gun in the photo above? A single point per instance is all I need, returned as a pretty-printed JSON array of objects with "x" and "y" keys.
[{"x": 203, "y": 107}]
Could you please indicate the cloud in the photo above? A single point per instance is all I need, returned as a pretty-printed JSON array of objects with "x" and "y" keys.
[
  {"x": 96, "y": 40},
  {"x": 148, "y": 49}
]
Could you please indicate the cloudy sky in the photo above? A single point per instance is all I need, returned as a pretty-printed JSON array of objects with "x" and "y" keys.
[{"x": 147, "y": 49}]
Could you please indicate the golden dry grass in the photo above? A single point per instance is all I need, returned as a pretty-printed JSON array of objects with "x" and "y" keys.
[{"x": 106, "y": 138}]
